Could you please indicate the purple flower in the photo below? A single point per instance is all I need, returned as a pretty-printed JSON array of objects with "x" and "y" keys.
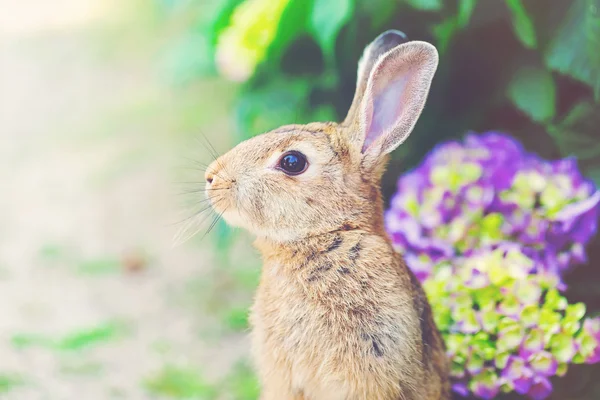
[
  {"x": 518, "y": 375},
  {"x": 504, "y": 157},
  {"x": 485, "y": 385},
  {"x": 580, "y": 220},
  {"x": 490, "y": 230},
  {"x": 543, "y": 363},
  {"x": 461, "y": 389},
  {"x": 546, "y": 206},
  {"x": 533, "y": 343},
  {"x": 540, "y": 388},
  {"x": 420, "y": 267},
  {"x": 592, "y": 328}
]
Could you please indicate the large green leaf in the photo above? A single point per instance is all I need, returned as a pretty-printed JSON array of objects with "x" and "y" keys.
[
  {"x": 522, "y": 23},
  {"x": 427, "y": 5},
  {"x": 575, "y": 51},
  {"x": 577, "y": 134},
  {"x": 465, "y": 10},
  {"x": 533, "y": 91},
  {"x": 379, "y": 11},
  {"x": 294, "y": 22},
  {"x": 326, "y": 20},
  {"x": 447, "y": 29},
  {"x": 444, "y": 32}
]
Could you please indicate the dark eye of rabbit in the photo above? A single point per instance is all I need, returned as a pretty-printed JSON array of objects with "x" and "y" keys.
[{"x": 293, "y": 163}]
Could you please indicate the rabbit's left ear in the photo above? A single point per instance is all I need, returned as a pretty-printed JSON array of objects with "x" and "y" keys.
[{"x": 394, "y": 96}]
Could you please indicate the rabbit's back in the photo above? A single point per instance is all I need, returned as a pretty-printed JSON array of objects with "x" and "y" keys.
[{"x": 341, "y": 316}]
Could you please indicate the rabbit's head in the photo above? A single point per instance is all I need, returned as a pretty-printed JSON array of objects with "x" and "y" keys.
[{"x": 303, "y": 180}]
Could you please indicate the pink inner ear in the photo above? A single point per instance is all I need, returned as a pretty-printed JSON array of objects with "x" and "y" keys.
[{"x": 387, "y": 108}]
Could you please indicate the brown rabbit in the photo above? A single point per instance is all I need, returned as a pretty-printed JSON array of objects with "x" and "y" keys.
[{"x": 337, "y": 315}]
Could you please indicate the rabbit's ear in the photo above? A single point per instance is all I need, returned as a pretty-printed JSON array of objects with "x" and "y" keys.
[
  {"x": 378, "y": 47},
  {"x": 394, "y": 96}
]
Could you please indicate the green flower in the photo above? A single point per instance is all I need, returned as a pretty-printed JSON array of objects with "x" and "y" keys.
[
  {"x": 563, "y": 347},
  {"x": 244, "y": 43}
]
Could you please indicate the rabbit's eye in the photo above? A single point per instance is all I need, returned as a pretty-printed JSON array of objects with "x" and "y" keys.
[{"x": 293, "y": 163}]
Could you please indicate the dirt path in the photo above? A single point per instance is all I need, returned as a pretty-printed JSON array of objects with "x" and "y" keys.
[{"x": 89, "y": 149}]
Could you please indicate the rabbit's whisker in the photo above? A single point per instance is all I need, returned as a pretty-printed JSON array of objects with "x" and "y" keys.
[
  {"x": 214, "y": 153},
  {"x": 199, "y": 212},
  {"x": 214, "y": 223},
  {"x": 202, "y": 189}
]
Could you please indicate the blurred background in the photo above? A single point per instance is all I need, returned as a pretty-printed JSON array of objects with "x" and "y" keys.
[{"x": 108, "y": 108}]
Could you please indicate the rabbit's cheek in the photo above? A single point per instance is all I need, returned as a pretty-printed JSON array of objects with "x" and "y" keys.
[{"x": 233, "y": 217}]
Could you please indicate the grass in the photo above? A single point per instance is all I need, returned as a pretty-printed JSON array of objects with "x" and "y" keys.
[
  {"x": 180, "y": 383},
  {"x": 74, "y": 341},
  {"x": 82, "y": 367},
  {"x": 177, "y": 382},
  {"x": 10, "y": 381},
  {"x": 242, "y": 383},
  {"x": 236, "y": 319},
  {"x": 100, "y": 266}
]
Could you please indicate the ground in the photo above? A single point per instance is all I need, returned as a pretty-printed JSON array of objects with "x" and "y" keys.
[{"x": 94, "y": 298}]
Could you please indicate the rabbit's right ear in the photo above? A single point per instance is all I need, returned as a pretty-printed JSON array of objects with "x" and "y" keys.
[
  {"x": 378, "y": 47},
  {"x": 394, "y": 77}
]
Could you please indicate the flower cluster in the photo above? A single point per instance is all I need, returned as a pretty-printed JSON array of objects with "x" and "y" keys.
[
  {"x": 489, "y": 190},
  {"x": 490, "y": 230},
  {"x": 506, "y": 328},
  {"x": 244, "y": 43}
]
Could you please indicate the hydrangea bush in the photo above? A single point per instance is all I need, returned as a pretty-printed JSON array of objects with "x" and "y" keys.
[{"x": 490, "y": 230}]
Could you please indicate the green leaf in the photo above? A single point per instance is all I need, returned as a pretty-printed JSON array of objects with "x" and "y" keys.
[
  {"x": 219, "y": 17},
  {"x": 426, "y": 5},
  {"x": 522, "y": 23},
  {"x": 444, "y": 32},
  {"x": 574, "y": 50},
  {"x": 532, "y": 90},
  {"x": 576, "y": 135},
  {"x": 447, "y": 29},
  {"x": 326, "y": 19},
  {"x": 465, "y": 10},
  {"x": 379, "y": 11}
]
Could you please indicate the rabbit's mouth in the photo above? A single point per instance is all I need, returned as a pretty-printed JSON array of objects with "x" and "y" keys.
[{"x": 221, "y": 196}]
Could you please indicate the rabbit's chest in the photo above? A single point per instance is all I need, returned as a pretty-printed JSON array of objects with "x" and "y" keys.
[{"x": 325, "y": 325}]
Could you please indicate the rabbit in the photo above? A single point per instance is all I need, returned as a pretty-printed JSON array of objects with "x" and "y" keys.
[{"x": 337, "y": 314}]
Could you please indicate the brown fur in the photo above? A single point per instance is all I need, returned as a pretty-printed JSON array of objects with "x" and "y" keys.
[{"x": 337, "y": 315}]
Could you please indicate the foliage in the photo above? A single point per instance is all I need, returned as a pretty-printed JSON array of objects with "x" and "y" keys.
[
  {"x": 523, "y": 66},
  {"x": 491, "y": 230}
]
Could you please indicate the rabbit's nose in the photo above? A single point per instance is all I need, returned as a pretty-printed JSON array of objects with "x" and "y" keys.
[{"x": 209, "y": 176}]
